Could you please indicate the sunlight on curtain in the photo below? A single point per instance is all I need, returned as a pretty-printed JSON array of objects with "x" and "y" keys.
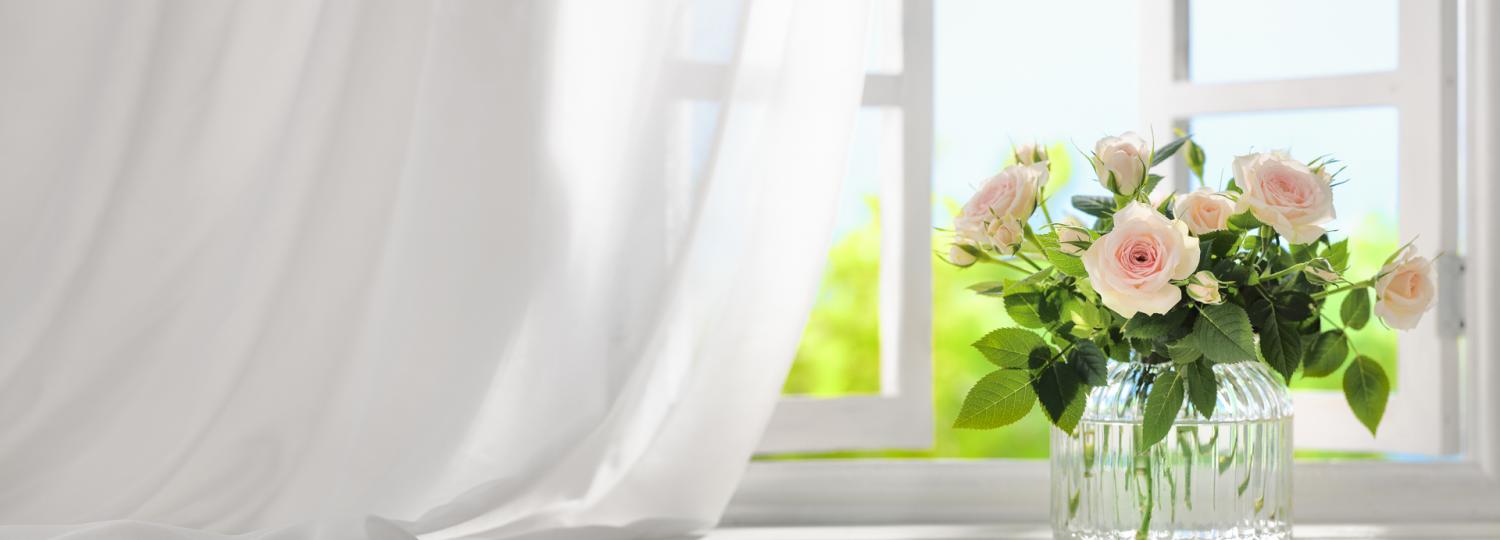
[{"x": 385, "y": 269}]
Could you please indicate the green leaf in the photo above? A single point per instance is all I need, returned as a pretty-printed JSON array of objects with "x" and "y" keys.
[
  {"x": 1063, "y": 333},
  {"x": 1091, "y": 363},
  {"x": 1031, "y": 282},
  {"x": 1166, "y": 151},
  {"x": 1245, "y": 221},
  {"x": 1293, "y": 305},
  {"x": 1062, "y": 395},
  {"x": 1049, "y": 309},
  {"x": 988, "y": 288},
  {"x": 1327, "y": 354},
  {"x": 1303, "y": 252},
  {"x": 1149, "y": 184},
  {"x": 1084, "y": 313},
  {"x": 1392, "y": 258},
  {"x": 1195, "y": 159},
  {"x": 1023, "y": 309},
  {"x": 1010, "y": 347},
  {"x": 1280, "y": 342},
  {"x": 1367, "y": 389},
  {"x": 1162, "y": 405},
  {"x": 1202, "y": 387},
  {"x": 1183, "y": 351},
  {"x": 1143, "y": 326},
  {"x": 1337, "y": 254},
  {"x": 1223, "y": 334},
  {"x": 1067, "y": 264},
  {"x": 1223, "y": 242},
  {"x": 1119, "y": 351},
  {"x": 1095, "y": 205},
  {"x": 1355, "y": 310},
  {"x": 1000, "y": 398}
]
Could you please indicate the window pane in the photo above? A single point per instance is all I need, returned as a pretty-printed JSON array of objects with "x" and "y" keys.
[
  {"x": 1289, "y": 39},
  {"x": 840, "y": 349},
  {"x": 1000, "y": 79},
  {"x": 1364, "y": 141}
]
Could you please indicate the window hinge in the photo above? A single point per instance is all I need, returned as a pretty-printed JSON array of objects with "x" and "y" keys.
[{"x": 1450, "y": 304}]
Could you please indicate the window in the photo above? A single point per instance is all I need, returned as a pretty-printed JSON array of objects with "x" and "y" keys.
[
  {"x": 1392, "y": 98},
  {"x": 875, "y": 388},
  {"x": 1381, "y": 91}
]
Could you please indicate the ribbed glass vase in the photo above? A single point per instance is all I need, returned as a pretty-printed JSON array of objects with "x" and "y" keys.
[{"x": 1224, "y": 477}]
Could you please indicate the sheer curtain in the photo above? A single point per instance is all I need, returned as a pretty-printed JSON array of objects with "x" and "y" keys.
[{"x": 443, "y": 269}]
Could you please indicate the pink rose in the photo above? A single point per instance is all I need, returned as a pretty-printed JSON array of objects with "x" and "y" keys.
[
  {"x": 1204, "y": 211},
  {"x": 1012, "y": 193},
  {"x": 1133, "y": 266},
  {"x": 994, "y": 214},
  {"x": 1285, "y": 194},
  {"x": 1404, "y": 291},
  {"x": 1005, "y": 235}
]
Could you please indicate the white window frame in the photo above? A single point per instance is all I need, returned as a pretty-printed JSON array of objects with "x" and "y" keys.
[
  {"x": 1465, "y": 488},
  {"x": 1421, "y": 417},
  {"x": 900, "y": 416}
]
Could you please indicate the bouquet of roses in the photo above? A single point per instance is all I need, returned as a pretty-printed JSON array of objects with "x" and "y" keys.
[{"x": 1189, "y": 281}]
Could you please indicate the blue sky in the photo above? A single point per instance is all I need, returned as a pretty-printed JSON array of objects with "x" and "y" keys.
[{"x": 1065, "y": 71}]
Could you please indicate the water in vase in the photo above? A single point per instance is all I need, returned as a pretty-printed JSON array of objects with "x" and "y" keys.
[{"x": 1224, "y": 478}]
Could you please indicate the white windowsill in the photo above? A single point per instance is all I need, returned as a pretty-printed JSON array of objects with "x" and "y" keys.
[{"x": 1445, "y": 531}]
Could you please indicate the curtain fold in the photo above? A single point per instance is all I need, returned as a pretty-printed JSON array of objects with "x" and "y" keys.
[{"x": 439, "y": 269}]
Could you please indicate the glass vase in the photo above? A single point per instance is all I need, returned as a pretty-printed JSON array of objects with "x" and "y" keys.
[{"x": 1228, "y": 476}]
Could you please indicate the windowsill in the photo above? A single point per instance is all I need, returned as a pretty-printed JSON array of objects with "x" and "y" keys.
[{"x": 1443, "y": 531}]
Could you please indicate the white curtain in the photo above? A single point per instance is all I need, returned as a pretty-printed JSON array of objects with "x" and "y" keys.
[{"x": 380, "y": 269}]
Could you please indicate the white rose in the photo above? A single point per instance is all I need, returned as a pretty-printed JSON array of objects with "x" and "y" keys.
[
  {"x": 1204, "y": 211},
  {"x": 1133, "y": 266},
  {"x": 1285, "y": 194},
  {"x": 1125, "y": 158},
  {"x": 1404, "y": 291},
  {"x": 958, "y": 256},
  {"x": 1005, "y": 235},
  {"x": 1030, "y": 153},
  {"x": 1204, "y": 287},
  {"x": 1069, "y": 233}
]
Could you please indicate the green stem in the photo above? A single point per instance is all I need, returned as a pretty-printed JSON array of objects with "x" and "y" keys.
[
  {"x": 1038, "y": 244},
  {"x": 1347, "y": 338},
  {"x": 1045, "y": 213},
  {"x": 1023, "y": 257},
  {"x": 1331, "y": 292},
  {"x": 1007, "y": 264},
  {"x": 1144, "y": 533},
  {"x": 1265, "y": 244},
  {"x": 1277, "y": 275}
]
